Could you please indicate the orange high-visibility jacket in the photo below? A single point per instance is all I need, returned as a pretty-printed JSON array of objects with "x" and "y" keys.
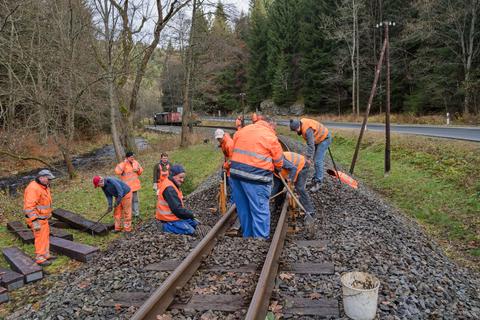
[
  {"x": 163, "y": 212},
  {"x": 345, "y": 178},
  {"x": 126, "y": 172},
  {"x": 163, "y": 174},
  {"x": 238, "y": 122},
  {"x": 256, "y": 151},
  {"x": 298, "y": 161},
  {"x": 320, "y": 132},
  {"x": 37, "y": 202},
  {"x": 256, "y": 117},
  {"x": 227, "y": 149}
]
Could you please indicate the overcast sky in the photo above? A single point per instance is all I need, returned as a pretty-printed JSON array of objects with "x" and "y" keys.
[{"x": 242, "y": 5}]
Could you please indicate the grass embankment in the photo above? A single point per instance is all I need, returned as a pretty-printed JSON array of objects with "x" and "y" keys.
[
  {"x": 435, "y": 181},
  {"x": 79, "y": 196}
]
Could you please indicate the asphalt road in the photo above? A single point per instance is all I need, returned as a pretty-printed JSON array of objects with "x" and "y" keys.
[{"x": 450, "y": 132}]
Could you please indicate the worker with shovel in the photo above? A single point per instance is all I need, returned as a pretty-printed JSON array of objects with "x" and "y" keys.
[
  {"x": 318, "y": 140},
  {"x": 114, "y": 188},
  {"x": 295, "y": 170}
]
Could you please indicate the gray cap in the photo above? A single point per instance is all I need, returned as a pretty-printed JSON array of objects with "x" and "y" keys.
[
  {"x": 46, "y": 173},
  {"x": 294, "y": 124}
]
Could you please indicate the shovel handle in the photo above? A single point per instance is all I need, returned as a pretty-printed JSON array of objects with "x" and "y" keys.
[{"x": 291, "y": 193}]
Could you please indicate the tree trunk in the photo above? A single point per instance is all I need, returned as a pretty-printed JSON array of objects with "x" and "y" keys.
[
  {"x": 185, "y": 137},
  {"x": 117, "y": 145},
  {"x": 357, "y": 73}
]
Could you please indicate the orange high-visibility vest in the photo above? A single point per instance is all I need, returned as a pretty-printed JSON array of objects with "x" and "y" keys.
[
  {"x": 320, "y": 132},
  {"x": 125, "y": 171},
  {"x": 163, "y": 211},
  {"x": 227, "y": 149},
  {"x": 256, "y": 151},
  {"x": 345, "y": 178},
  {"x": 37, "y": 202},
  {"x": 256, "y": 117},
  {"x": 298, "y": 161},
  {"x": 238, "y": 122},
  {"x": 163, "y": 174}
]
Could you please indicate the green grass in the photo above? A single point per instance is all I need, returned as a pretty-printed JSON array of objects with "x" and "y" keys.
[
  {"x": 81, "y": 197},
  {"x": 434, "y": 181}
]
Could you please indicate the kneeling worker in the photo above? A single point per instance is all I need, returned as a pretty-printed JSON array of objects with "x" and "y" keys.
[
  {"x": 113, "y": 187},
  {"x": 295, "y": 169},
  {"x": 170, "y": 208}
]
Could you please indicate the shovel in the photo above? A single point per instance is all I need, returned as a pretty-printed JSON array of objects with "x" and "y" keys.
[{"x": 292, "y": 194}]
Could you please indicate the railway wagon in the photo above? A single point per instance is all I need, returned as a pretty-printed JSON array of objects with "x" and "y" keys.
[{"x": 167, "y": 118}]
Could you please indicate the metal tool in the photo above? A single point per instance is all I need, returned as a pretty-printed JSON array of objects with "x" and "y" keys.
[
  {"x": 334, "y": 165},
  {"x": 92, "y": 227},
  {"x": 291, "y": 193}
]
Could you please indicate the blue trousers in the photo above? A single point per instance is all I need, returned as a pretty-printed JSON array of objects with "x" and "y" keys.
[
  {"x": 186, "y": 226},
  {"x": 252, "y": 200},
  {"x": 320, "y": 150},
  {"x": 300, "y": 184}
]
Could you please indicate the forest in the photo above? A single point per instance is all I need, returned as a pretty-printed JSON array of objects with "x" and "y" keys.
[{"x": 74, "y": 68}]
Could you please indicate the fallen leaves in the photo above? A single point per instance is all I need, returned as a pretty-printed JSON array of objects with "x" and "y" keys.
[
  {"x": 314, "y": 295},
  {"x": 276, "y": 309},
  {"x": 164, "y": 317},
  {"x": 286, "y": 276}
]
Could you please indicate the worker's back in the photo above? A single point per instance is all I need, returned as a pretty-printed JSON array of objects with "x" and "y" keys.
[{"x": 256, "y": 151}]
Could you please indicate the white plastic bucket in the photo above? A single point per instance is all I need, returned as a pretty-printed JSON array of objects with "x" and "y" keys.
[{"x": 360, "y": 295}]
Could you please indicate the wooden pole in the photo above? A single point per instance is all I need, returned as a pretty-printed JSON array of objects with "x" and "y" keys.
[
  {"x": 370, "y": 100},
  {"x": 387, "y": 113}
]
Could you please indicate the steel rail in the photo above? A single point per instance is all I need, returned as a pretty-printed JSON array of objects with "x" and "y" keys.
[
  {"x": 161, "y": 298},
  {"x": 259, "y": 304}
]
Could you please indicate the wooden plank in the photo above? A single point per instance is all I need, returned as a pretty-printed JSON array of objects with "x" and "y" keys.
[
  {"x": 22, "y": 231},
  {"x": 3, "y": 295},
  {"x": 78, "y": 251},
  {"x": 58, "y": 224},
  {"x": 10, "y": 280},
  {"x": 165, "y": 265},
  {"x": 309, "y": 268},
  {"x": 312, "y": 243},
  {"x": 23, "y": 264},
  {"x": 125, "y": 299},
  {"x": 79, "y": 222},
  {"x": 325, "y": 308},
  {"x": 219, "y": 302},
  {"x": 242, "y": 269},
  {"x": 170, "y": 265}
]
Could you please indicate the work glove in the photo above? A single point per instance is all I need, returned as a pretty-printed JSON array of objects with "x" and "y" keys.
[
  {"x": 155, "y": 187},
  {"x": 35, "y": 225}
]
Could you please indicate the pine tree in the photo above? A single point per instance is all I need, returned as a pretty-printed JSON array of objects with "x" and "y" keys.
[
  {"x": 283, "y": 48},
  {"x": 258, "y": 86}
]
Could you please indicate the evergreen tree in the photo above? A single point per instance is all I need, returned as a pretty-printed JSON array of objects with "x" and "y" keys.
[
  {"x": 317, "y": 54},
  {"x": 258, "y": 85},
  {"x": 283, "y": 47}
]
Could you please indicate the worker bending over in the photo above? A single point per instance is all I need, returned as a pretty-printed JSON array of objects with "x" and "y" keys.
[
  {"x": 129, "y": 170},
  {"x": 37, "y": 207},
  {"x": 113, "y": 187},
  {"x": 295, "y": 169},
  {"x": 256, "y": 152},
  {"x": 161, "y": 171},
  {"x": 226, "y": 144},
  {"x": 170, "y": 208},
  {"x": 318, "y": 140}
]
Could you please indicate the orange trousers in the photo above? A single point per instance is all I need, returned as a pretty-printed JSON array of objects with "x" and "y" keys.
[
  {"x": 124, "y": 212},
  {"x": 42, "y": 240}
]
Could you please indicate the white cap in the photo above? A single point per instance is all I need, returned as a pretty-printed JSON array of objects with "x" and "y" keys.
[
  {"x": 46, "y": 173},
  {"x": 219, "y": 133}
]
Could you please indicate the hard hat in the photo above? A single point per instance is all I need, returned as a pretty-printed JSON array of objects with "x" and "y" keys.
[
  {"x": 46, "y": 173},
  {"x": 219, "y": 133}
]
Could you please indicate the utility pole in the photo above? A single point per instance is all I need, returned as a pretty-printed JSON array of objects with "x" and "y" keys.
[
  {"x": 387, "y": 167},
  {"x": 242, "y": 99}
]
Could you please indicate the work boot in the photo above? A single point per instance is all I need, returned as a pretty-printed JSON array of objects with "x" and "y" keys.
[
  {"x": 309, "y": 222},
  {"x": 116, "y": 231},
  {"x": 44, "y": 263},
  {"x": 317, "y": 186},
  {"x": 52, "y": 257},
  {"x": 236, "y": 225}
]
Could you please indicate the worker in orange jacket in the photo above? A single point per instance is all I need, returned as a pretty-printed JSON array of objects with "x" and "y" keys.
[
  {"x": 295, "y": 169},
  {"x": 318, "y": 140},
  {"x": 171, "y": 211},
  {"x": 239, "y": 122},
  {"x": 256, "y": 117},
  {"x": 256, "y": 154},
  {"x": 161, "y": 171},
  {"x": 37, "y": 207},
  {"x": 226, "y": 144},
  {"x": 129, "y": 170},
  {"x": 115, "y": 188}
]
